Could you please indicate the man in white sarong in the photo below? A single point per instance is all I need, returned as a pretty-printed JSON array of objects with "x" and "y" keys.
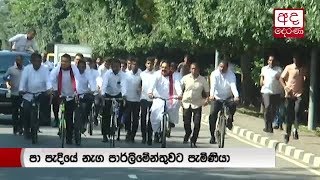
[{"x": 166, "y": 86}]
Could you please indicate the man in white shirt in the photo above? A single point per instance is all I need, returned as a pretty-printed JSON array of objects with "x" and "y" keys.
[
  {"x": 104, "y": 67},
  {"x": 34, "y": 79},
  {"x": 86, "y": 86},
  {"x": 165, "y": 86},
  {"x": 222, "y": 88},
  {"x": 129, "y": 64},
  {"x": 24, "y": 42},
  {"x": 46, "y": 62},
  {"x": 173, "y": 69},
  {"x": 146, "y": 102},
  {"x": 63, "y": 79},
  {"x": 113, "y": 87},
  {"x": 13, "y": 77},
  {"x": 132, "y": 94},
  {"x": 271, "y": 90}
]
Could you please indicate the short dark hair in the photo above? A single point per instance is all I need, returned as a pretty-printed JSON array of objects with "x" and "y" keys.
[
  {"x": 35, "y": 55},
  {"x": 80, "y": 54},
  {"x": 151, "y": 59},
  {"x": 66, "y": 56},
  {"x": 115, "y": 61},
  {"x": 32, "y": 30},
  {"x": 108, "y": 59},
  {"x": 224, "y": 62},
  {"x": 82, "y": 62},
  {"x": 196, "y": 65}
]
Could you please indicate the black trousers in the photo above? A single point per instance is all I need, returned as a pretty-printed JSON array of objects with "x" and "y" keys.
[
  {"x": 293, "y": 106},
  {"x": 106, "y": 115},
  {"x": 17, "y": 112},
  {"x": 45, "y": 109},
  {"x": 187, "y": 115},
  {"x": 132, "y": 117},
  {"x": 55, "y": 106},
  {"x": 216, "y": 106},
  {"x": 146, "y": 127},
  {"x": 271, "y": 104},
  {"x": 85, "y": 105}
]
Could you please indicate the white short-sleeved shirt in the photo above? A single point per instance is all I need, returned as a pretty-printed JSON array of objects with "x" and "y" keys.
[{"x": 271, "y": 83}]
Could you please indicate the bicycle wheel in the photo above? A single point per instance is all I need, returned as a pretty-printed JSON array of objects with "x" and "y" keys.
[
  {"x": 91, "y": 119},
  {"x": 34, "y": 129},
  {"x": 78, "y": 125},
  {"x": 112, "y": 130},
  {"x": 63, "y": 132},
  {"x": 164, "y": 131},
  {"x": 222, "y": 130}
]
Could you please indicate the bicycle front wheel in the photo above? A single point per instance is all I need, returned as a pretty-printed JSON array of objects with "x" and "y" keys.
[
  {"x": 164, "y": 131},
  {"x": 112, "y": 130},
  {"x": 222, "y": 131},
  {"x": 34, "y": 124}
]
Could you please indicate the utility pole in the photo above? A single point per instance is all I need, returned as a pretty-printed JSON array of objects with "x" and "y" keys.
[{"x": 313, "y": 103}]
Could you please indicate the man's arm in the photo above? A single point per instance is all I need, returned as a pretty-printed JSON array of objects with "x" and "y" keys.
[
  {"x": 105, "y": 80},
  {"x": 212, "y": 85},
  {"x": 23, "y": 80},
  {"x": 34, "y": 46},
  {"x": 283, "y": 76},
  {"x": 262, "y": 77},
  {"x": 233, "y": 85},
  {"x": 15, "y": 38},
  {"x": 153, "y": 86}
]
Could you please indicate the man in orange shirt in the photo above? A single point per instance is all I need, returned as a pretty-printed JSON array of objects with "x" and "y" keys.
[{"x": 292, "y": 79}]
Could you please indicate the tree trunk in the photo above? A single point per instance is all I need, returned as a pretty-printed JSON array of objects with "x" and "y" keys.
[{"x": 247, "y": 84}]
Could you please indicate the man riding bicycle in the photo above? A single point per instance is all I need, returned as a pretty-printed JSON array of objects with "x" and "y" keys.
[
  {"x": 85, "y": 88},
  {"x": 166, "y": 86},
  {"x": 223, "y": 87}
]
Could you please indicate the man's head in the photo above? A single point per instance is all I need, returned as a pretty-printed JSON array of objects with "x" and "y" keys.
[
  {"x": 186, "y": 58},
  {"x": 297, "y": 60},
  {"x": 115, "y": 65},
  {"x": 78, "y": 57},
  {"x": 271, "y": 61},
  {"x": 19, "y": 61},
  {"x": 123, "y": 65},
  {"x": 129, "y": 60},
  {"x": 149, "y": 63},
  {"x": 165, "y": 68},
  {"x": 99, "y": 60},
  {"x": 92, "y": 63},
  {"x": 31, "y": 34},
  {"x": 36, "y": 61},
  {"x": 134, "y": 65},
  {"x": 81, "y": 66},
  {"x": 194, "y": 68},
  {"x": 107, "y": 62},
  {"x": 65, "y": 61},
  {"x": 173, "y": 67},
  {"x": 223, "y": 66}
]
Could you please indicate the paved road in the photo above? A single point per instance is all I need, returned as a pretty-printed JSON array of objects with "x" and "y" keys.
[{"x": 283, "y": 170}]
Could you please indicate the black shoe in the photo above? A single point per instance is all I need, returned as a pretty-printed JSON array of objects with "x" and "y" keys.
[
  {"x": 286, "y": 138},
  {"x": 156, "y": 138},
  {"x": 213, "y": 140},
  {"x": 266, "y": 130},
  {"x": 149, "y": 142},
  {"x": 144, "y": 141},
  {"x": 95, "y": 121},
  {"x": 276, "y": 127},
  {"x": 295, "y": 135},
  {"x": 172, "y": 125},
  {"x": 132, "y": 138},
  {"x": 69, "y": 141},
  {"x": 20, "y": 131},
  {"x": 271, "y": 130},
  {"x": 193, "y": 145},
  {"x": 128, "y": 138},
  {"x": 185, "y": 139},
  {"x": 105, "y": 139},
  {"x": 229, "y": 124},
  {"x": 15, "y": 130},
  {"x": 281, "y": 128}
]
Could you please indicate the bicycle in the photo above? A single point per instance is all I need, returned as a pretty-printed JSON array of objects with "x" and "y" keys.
[
  {"x": 78, "y": 117},
  {"x": 115, "y": 107},
  {"x": 221, "y": 124},
  {"x": 165, "y": 128},
  {"x": 91, "y": 119},
  {"x": 35, "y": 116},
  {"x": 62, "y": 121}
]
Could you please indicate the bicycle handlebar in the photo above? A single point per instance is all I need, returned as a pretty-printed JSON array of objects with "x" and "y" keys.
[{"x": 165, "y": 99}]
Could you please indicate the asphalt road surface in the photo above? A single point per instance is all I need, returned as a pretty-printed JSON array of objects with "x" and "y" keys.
[{"x": 285, "y": 168}]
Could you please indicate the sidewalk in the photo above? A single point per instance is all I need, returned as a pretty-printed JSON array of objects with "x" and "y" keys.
[{"x": 306, "y": 149}]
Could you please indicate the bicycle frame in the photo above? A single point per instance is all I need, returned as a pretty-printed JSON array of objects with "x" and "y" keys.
[
  {"x": 35, "y": 116},
  {"x": 62, "y": 122},
  {"x": 114, "y": 111}
]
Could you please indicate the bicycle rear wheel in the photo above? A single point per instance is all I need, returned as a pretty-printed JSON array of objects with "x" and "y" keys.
[
  {"x": 63, "y": 132},
  {"x": 164, "y": 131},
  {"x": 222, "y": 131},
  {"x": 112, "y": 131}
]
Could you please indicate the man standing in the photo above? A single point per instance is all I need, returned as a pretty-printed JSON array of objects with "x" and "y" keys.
[
  {"x": 271, "y": 90},
  {"x": 132, "y": 94},
  {"x": 164, "y": 86},
  {"x": 146, "y": 103},
  {"x": 292, "y": 79},
  {"x": 24, "y": 42},
  {"x": 34, "y": 79},
  {"x": 184, "y": 67},
  {"x": 223, "y": 87},
  {"x": 173, "y": 69},
  {"x": 113, "y": 87},
  {"x": 46, "y": 62},
  {"x": 104, "y": 67},
  {"x": 129, "y": 64},
  {"x": 63, "y": 79},
  {"x": 13, "y": 77},
  {"x": 193, "y": 87}
]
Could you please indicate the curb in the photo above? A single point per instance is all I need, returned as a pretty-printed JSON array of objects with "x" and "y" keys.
[{"x": 280, "y": 147}]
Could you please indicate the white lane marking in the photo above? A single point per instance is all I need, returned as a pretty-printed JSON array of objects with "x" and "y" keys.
[
  {"x": 277, "y": 154},
  {"x": 132, "y": 176}
]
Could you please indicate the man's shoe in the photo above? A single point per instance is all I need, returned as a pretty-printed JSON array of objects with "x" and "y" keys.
[
  {"x": 286, "y": 138},
  {"x": 213, "y": 140},
  {"x": 229, "y": 124},
  {"x": 185, "y": 139},
  {"x": 295, "y": 135},
  {"x": 69, "y": 141},
  {"x": 105, "y": 139}
]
